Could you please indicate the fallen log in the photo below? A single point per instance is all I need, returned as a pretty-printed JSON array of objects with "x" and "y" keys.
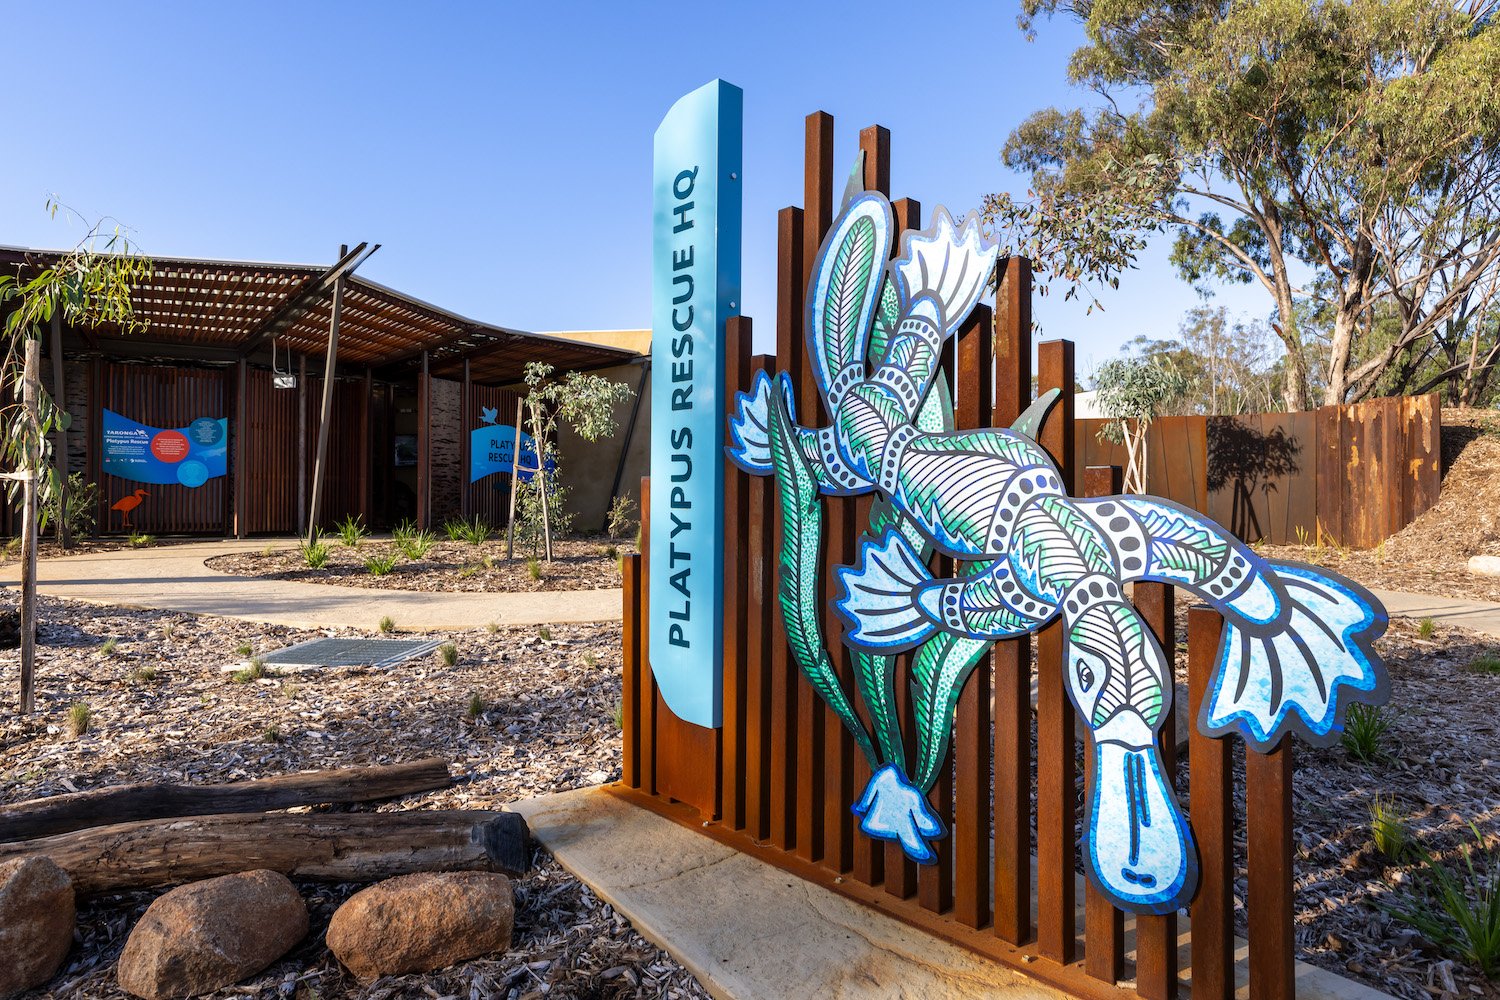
[
  {"x": 319, "y": 847},
  {"x": 128, "y": 803}
]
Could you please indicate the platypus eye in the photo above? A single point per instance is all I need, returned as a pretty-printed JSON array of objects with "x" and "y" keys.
[{"x": 1085, "y": 675}]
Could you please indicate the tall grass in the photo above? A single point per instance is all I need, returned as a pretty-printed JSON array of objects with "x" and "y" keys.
[
  {"x": 1365, "y": 729},
  {"x": 351, "y": 529},
  {"x": 1460, "y": 913}
]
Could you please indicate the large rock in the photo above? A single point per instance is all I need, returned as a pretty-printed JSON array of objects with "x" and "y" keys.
[
  {"x": 1485, "y": 565},
  {"x": 418, "y": 923},
  {"x": 209, "y": 934},
  {"x": 36, "y": 922}
]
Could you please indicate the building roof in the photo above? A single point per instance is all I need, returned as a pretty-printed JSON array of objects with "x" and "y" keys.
[{"x": 226, "y": 309}]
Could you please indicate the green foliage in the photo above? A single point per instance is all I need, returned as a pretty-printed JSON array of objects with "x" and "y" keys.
[
  {"x": 108, "y": 646},
  {"x": 475, "y": 532},
  {"x": 475, "y": 707},
  {"x": 620, "y": 520},
  {"x": 1388, "y": 829},
  {"x": 534, "y": 568},
  {"x": 403, "y": 531},
  {"x": 387, "y": 623},
  {"x": 1132, "y": 392},
  {"x": 273, "y": 733},
  {"x": 1426, "y": 627},
  {"x": 1365, "y": 729},
  {"x": 88, "y": 286},
  {"x": 618, "y": 715},
  {"x": 1341, "y": 155},
  {"x": 380, "y": 565},
  {"x": 79, "y": 717},
  {"x": 1485, "y": 665},
  {"x": 315, "y": 555},
  {"x": 253, "y": 671},
  {"x": 545, "y": 633},
  {"x": 351, "y": 529},
  {"x": 82, "y": 499},
  {"x": 449, "y": 654},
  {"x": 244, "y": 649},
  {"x": 417, "y": 544},
  {"x": 1460, "y": 913},
  {"x": 145, "y": 674},
  {"x": 139, "y": 540},
  {"x": 493, "y": 628},
  {"x": 612, "y": 553}
]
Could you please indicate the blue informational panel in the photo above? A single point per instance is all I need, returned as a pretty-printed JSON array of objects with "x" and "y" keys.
[
  {"x": 492, "y": 449},
  {"x": 696, "y": 212},
  {"x": 186, "y": 456}
]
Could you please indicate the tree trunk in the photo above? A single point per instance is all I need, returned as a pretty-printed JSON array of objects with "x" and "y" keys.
[
  {"x": 129, "y": 803},
  {"x": 320, "y": 847},
  {"x": 29, "y": 389}
]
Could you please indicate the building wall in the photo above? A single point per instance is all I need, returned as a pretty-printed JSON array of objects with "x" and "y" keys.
[
  {"x": 447, "y": 450},
  {"x": 588, "y": 467}
]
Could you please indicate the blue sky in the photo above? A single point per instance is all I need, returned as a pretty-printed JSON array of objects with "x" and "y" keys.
[{"x": 501, "y": 153}]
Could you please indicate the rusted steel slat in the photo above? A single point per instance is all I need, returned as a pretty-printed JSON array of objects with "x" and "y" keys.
[
  {"x": 1103, "y": 923},
  {"x": 630, "y": 674},
  {"x": 1268, "y": 812},
  {"x": 1156, "y": 935},
  {"x": 738, "y": 333},
  {"x": 1055, "y": 765},
  {"x": 1211, "y": 785},
  {"x": 648, "y": 692},
  {"x": 1010, "y": 661},
  {"x": 760, "y": 577}
]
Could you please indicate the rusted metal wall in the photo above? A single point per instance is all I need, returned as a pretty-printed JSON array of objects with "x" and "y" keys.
[
  {"x": 1348, "y": 475},
  {"x": 489, "y": 498}
]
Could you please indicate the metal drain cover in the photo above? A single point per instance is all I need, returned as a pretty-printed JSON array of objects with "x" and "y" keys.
[{"x": 350, "y": 652}]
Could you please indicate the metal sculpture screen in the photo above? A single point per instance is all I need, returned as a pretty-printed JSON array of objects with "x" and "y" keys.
[{"x": 1297, "y": 641}]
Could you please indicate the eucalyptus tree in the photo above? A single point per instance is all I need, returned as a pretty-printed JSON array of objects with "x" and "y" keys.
[
  {"x": 1345, "y": 150},
  {"x": 88, "y": 285}
]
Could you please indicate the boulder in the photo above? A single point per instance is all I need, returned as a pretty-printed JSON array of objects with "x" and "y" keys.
[
  {"x": 418, "y": 923},
  {"x": 36, "y": 922},
  {"x": 204, "y": 935},
  {"x": 1484, "y": 565}
]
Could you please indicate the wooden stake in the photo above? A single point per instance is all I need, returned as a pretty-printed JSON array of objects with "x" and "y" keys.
[
  {"x": 29, "y": 389},
  {"x": 328, "y": 370}
]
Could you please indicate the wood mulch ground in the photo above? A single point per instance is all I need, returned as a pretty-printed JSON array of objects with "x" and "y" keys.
[
  {"x": 1430, "y": 555},
  {"x": 582, "y": 563},
  {"x": 162, "y": 709}
]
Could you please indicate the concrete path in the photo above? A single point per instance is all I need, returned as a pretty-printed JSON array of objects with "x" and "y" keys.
[
  {"x": 1478, "y": 616},
  {"x": 748, "y": 930},
  {"x": 174, "y": 577}
]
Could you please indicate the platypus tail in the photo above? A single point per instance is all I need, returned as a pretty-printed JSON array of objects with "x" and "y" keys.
[{"x": 879, "y": 596}]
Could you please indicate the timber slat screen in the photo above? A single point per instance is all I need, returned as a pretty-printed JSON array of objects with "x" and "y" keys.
[
  {"x": 781, "y": 788},
  {"x": 1347, "y": 475},
  {"x": 489, "y": 498}
]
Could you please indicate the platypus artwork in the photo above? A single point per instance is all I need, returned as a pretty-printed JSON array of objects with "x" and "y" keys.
[{"x": 1297, "y": 641}]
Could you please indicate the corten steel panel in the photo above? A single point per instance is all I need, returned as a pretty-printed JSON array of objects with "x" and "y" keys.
[
  {"x": 1156, "y": 935},
  {"x": 1212, "y": 802},
  {"x": 164, "y": 397},
  {"x": 739, "y": 333}
]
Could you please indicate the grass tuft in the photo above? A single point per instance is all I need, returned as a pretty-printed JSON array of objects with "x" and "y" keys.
[
  {"x": 351, "y": 529},
  {"x": 273, "y": 733},
  {"x": 417, "y": 544},
  {"x": 382, "y": 564},
  {"x": 253, "y": 672},
  {"x": 476, "y": 706},
  {"x": 545, "y": 633},
  {"x": 493, "y": 628},
  {"x": 79, "y": 718},
  {"x": 1388, "y": 829},
  {"x": 146, "y": 674},
  {"x": 109, "y": 646},
  {"x": 387, "y": 623},
  {"x": 316, "y": 554},
  {"x": 1426, "y": 627},
  {"x": 1460, "y": 913},
  {"x": 138, "y": 540},
  {"x": 449, "y": 653},
  {"x": 1365, "y": 729},
  {"x": 1485, "y": 665},
  {"x": 243, "y": 649},
  {"x": 533, "y": 568},
  {"x": 475, "y": 532}
]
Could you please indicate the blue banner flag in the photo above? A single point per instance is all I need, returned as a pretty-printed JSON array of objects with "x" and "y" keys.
[
  {"x": 492, "y": 449},
  {"x": 186, "y": 456},
  {"x": 695, "y": 287}
]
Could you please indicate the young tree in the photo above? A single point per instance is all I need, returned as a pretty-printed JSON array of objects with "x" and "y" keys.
[
  {"x": 1348, "y": 149},
  {"x": 584, "y": 402},
  {"x": 88, "y": 285},
  {"x": 1133, "y": 392}
]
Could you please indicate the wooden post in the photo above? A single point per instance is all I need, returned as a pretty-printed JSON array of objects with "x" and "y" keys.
[
  {"x": 60, "y": 452},
  {"x": 1156, "y": 934},
  {"x": 424, "y": 437},
  {"x": 95, "y": 451},
  {"x": 1211, "y": 783},
  {"x": 241, "y": 439},
  {"x": 30, "y": 387},
  {"x": 302, "y": 444},
  {"x": 1268, "y": 813},
  {"x": 329, "y": 367},
  {"x": 464, "y": 444},
  {"x": 365, "y": 445}
]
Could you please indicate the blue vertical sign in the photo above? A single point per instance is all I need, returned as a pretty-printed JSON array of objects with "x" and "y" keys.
[{"x": 695, "y": 287}]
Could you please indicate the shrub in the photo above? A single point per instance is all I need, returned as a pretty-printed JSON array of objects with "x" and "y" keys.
[
  {"x": 619, "y": 714},
  {"x": 382, "y": 564},
  {"x": 83, "y": 500},
  {"x": 1388, "y": 829},
  {"x": 620, "y": 521},
  {"x": 1365, "y": 728},
  {"x": 351, "y": 529},
  {"x": 137, "y": 540},
  {"x": 449, "y": 653},
  {"x": 79, "y": 718},
  {"x": 1459, "y": 913},
  {"x": 387, "y": 624},
  {"x": 474, "y": 532}
]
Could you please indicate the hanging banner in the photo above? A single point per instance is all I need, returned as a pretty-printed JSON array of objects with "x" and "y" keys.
[
  {"x": 696, "y": 210},
  {"x": 186, "y": 456},
  {"x": 492, "y": 449}
]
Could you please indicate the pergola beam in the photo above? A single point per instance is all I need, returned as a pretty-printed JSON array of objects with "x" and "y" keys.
[
  {"x": 308, "y": 296},
  {"x": 329, "y": 370}
]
